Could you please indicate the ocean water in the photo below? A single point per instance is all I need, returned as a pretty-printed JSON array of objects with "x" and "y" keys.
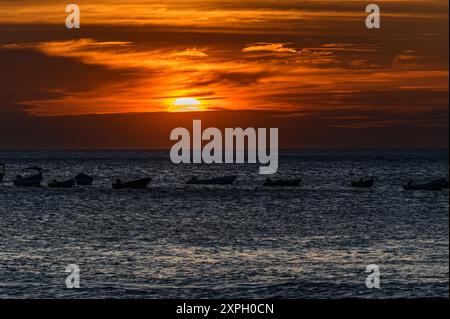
[{"x": 241, "y": 241}]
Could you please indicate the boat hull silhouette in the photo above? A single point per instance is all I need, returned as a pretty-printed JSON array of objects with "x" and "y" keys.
[
  {"x": 84, "y": 180},
  {"x": 282, "y": 183},
  {"x": 2, "y": 172},
  {"x": 432, "y": 186},
  {"x": 137, "y": 184},
  {"x": 29, "y": 181},
  {"x": 65, "y": 184}
]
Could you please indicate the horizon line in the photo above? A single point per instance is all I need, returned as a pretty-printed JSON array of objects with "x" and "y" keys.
[{"x": 281, "y": 149}]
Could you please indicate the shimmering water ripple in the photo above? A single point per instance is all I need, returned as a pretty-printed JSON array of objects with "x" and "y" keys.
[{"x": 240, "y": 241}]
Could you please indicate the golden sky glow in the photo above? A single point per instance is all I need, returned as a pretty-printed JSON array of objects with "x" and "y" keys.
[
  {"x": 185, "y": 104},
  {"x": 228, "y": 14},
  {"x": 298, "y": 57}
]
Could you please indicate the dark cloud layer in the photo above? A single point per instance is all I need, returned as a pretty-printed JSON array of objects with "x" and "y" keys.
[{"x": 310, "y": 68}]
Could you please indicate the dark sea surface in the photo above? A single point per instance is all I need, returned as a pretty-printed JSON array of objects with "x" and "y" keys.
[{"x": 241, "y": 241}]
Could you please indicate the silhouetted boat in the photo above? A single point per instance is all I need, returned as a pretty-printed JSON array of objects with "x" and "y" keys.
[
  {"x": 29, "y": 181},
  {"x": 84, "y": 180},
  {"x": 431, "y": 186},
  {"x": 2, "y": 172},
  {"x": 445, "y": 184},
  {"x": 66, "y": 184},
  {"x": 368, "y": 183},
  {"x": 282, "y": 183},
  {"x": 137, "y": 184},
  {"x": 227, "y": 180}
]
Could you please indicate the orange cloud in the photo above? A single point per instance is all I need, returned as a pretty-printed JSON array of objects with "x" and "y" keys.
[
  {"x": 267, "y": 16},
  {"x": 269, "y": 47},
  {"x": 220, "y": 81},
  {"x": 301, "y": 57}
]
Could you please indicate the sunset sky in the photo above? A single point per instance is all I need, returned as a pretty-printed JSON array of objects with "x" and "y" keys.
[{"x": 311, "y": 68}]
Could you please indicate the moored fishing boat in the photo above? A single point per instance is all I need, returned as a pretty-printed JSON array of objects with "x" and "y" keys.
[
  {"x": 136, "y": 184},
  {"x": 282, "y": 183},
  {"x": 65, "y": 184},
  {"x": 364, "y": 183},
  {"x": 84, "y": 180},
  {"x": 30, "y": 180},
  {"x": 2, "y": 172},
  {"x": 431, "y": 186}
]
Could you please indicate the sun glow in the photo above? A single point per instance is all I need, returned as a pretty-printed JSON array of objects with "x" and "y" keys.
[{"x": 186, "y": 104}]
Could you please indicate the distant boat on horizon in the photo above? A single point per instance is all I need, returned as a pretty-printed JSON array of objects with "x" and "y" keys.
[
  {"x": 136, "y": 184},
  {"x": 84, "y": 180},
  {"x": 431, "y": 186},
  {"x": 30, "y": 180},
  {"x": 65, "y": 184},
  {"x": 282, "y": 183},
  {"x": 2, "y": 172}
]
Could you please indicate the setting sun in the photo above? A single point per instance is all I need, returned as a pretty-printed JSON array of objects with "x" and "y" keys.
[{"x": 185, "y": 104}]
